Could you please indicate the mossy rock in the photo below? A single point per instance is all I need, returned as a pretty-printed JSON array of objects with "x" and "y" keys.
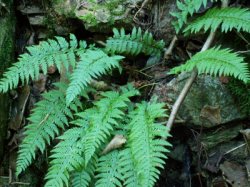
[{"x": 98, "y": 15}]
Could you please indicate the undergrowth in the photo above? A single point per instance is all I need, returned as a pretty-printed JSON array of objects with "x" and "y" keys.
[{"x": 84, "y": 133}]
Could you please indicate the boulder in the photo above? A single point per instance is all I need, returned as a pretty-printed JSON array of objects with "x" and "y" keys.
[{"x": 208, "y": 103}]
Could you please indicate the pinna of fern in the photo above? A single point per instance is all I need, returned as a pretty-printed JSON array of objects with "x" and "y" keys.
[
  {"x": 49, "y": 116},
  {"x": 39, "y": 57},
  {"x": 92, "y": 64},
  {"x": 145, "y": 152},
  {"x": 227, "y": 18},
  {"x": 216, "y": 61},
  {"x": 134, "y": 43}
]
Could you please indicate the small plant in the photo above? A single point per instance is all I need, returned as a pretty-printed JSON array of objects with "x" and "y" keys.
[{"x": 84, "y": 132}]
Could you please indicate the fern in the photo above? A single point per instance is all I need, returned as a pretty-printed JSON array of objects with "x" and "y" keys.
[
  {"x": 92, "y": 64},
  {"x": 186, "y": 8},
  {"x": 67, "y": 157},
  {"x": 128, "y": 165},
  {"x": 141, "y": 161},
  {"x": 75, "y": 158},
  {"x": 109, "y": 171},
  {"x": 216, "y": 61},
  {"x": 52, "y": 52},
  {"x": 228, "y": 18},
  {"x": 102, "y": 125},
  {"x": 80, "y": 144},
  {"x": 134, "y": 43},
  {"x": 49, "y": 115},
  {"x": 83, "y": 177}
]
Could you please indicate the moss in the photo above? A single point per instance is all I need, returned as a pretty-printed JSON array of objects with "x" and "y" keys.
[{"x": 7, "y": 23}]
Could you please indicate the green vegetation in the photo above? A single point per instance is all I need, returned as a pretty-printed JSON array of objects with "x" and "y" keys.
[{"x": 78, "y": 155}]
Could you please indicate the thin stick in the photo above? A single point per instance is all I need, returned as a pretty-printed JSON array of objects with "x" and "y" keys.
[
  {"x": 190, "y": 81},
  {"x": 142, "y": 6},
  {"x": 170, "y": 48}
]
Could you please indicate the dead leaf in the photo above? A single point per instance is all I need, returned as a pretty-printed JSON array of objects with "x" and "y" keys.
[
  {"x": 211, "y": 114},
  {"x": 115, "y": 143}
]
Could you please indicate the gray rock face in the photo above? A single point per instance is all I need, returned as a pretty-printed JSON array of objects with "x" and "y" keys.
[{"x": 208, "y": 103}]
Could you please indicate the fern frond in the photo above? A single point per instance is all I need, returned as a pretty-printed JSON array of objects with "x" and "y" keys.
[
  {"x": 92, "y": 64},
  {"x": 52, "y": 52},
  {"x": 229, "y": 18},
  {"x": 109, "y": 171},
  {"x": 146, "y": 146},
  {"x": 127, "y": 166},
  {"x": 49, "y": 115},
  {"x": 109, "y": 110},
  {"x": 67, "y": 156},
  {"x": 216, "y": 61},
  {"x": 83, "y": 177},
  {"x": 186, "y": 8},
  {"x": 134, "y": 43},
  {"x": 79, "y": 144}
]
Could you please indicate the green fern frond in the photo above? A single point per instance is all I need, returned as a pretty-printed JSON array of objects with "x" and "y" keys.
[
  {"x": 49, "y": 115},
  {"x": 83, "y": 177},
  {"x": 134, "y": 43},
  {"x": 109, "y": 171},
  {"x": 229, "y": 18},
  {"x": 186, "y": 8},
  {"x": 67, "y": 157},
  {"x": 92, "y": 64},
  {"x": 79, "y": 144},
  {"x": 109, "y": 110},
  {"x": 52, "y": 52},
  {"x": 145, "y": 153},
  {"x": 216, "y": 61},
  {"x": 127, "y": 166}
]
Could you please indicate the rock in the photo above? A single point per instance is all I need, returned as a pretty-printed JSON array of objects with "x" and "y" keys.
[
  {"x": 30, "y": 9},
  {"x": 207, "y": 104},
  {"x": 37, "y": 20},
  {"x": 163, "y": 20},
  {"x": 98, "y": 15},
  {"x": 220, "y": 135}
]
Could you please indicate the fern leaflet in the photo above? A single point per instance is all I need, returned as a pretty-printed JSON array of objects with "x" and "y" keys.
[
  {"x": 92, "y": 64},
  {"x": 216, "y": 61},
  {"x": 228, "y": 18},
  {"x": 67, "y": 156},
  {"x": 52, "y": 52},
  {"x": 146, "y": 146},
  {"x": 186, "y": 8},
  {"x": 109, "y": 171},
  {"x": 134, "y": 43},
  {"x": 49, "y": 115},
  {"x": 83, "y": 177}
]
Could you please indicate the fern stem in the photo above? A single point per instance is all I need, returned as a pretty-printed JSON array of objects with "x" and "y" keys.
[{"x": 191, "y": 80}]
